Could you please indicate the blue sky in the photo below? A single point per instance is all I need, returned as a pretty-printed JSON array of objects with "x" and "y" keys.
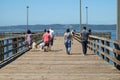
[{"x": 13, "y": 12}]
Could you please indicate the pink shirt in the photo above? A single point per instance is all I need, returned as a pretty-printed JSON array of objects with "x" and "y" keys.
[{"x": 46, "y": 37}]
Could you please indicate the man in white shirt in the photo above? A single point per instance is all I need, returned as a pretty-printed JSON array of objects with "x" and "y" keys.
[{"x": 51, "y": 36}]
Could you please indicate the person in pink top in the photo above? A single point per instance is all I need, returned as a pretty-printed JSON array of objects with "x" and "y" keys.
[{"x": 46, "y": 40}]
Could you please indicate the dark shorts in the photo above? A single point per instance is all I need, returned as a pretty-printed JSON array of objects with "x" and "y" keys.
[
  {"x": 51, "y": 41},
  {"x": 46, "y": 44}
]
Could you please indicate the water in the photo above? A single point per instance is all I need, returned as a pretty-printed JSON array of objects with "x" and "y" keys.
[
  {"x": 113, "y": 33},
  {"x": 60, "y": 29}
]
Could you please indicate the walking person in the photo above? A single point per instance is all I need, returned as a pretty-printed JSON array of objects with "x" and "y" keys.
[
  {"x": 51, "y": 37},
  {"x": 46, "y": 40},
  {"x": 28, "y": 38},
  {"x": 84, "y": 38},
  {"x": 90, "y": 31},
  {"x": 68, "y": 41}
]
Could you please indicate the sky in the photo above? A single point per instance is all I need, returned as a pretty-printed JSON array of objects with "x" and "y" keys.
[{"x": 14, "y": 12}]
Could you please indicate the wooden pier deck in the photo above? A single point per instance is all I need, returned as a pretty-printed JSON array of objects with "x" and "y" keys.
[{"x": 57, "y": 65}]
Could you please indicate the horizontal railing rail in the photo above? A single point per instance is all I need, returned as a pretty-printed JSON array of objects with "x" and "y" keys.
[
  {"x": 106, "y": 48},
  {"x": 12, "y": 47}
]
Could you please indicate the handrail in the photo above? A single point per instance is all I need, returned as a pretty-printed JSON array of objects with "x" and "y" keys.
[
  {"x": 106, "y": 48},
  {"x": 12, "y": 47}
]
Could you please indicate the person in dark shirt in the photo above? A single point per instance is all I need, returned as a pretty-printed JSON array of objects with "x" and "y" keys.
[
  {"x": 90, "y": 32},
  {"x": 84, "y": 38}
]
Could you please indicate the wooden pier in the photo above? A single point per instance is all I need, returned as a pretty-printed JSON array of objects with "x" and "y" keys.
[{"x": 57, "y": 65}]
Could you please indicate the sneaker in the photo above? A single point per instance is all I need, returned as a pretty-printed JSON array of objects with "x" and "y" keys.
[
  {"x": 83, "y": 54},
  {"x": 68, "y": 53}
]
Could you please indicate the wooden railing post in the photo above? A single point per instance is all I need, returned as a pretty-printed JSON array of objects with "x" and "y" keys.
[
  {"x": 98, "y": 47},
  {"x": 102, "y": 48},
  {"x": 14, "y": 45},
  {"x": 1, "y": 50},
  {"x": 117, "y": 56},
  {"x": 91, "y": 47},
  {"x": 7, "y": 47},
  {"x": 107, "y": 51},
  {"x": 90, "y": 43},
  {"x": 95, "y": 46}
]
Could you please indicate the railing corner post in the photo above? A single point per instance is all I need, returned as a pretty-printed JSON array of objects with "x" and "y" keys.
[
  {"x": 117, "y": 56},
  {"x": 1, "y": 50}
]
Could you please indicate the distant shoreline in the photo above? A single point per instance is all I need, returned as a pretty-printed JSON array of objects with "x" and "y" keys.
[{"x": 63, "y": 25}]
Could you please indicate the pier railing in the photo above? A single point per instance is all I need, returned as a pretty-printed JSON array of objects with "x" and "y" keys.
[
  {"x": 104, "y": 47},
  {"x": 12, "y": 47}
]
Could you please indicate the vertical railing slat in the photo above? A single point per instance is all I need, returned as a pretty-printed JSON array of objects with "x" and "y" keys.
[
  {"x": 2, "y": 50},
  {"x": 107, "y": 51},
  {"x": 7, "y": 47},
  {"x": 102, "y": 48}
]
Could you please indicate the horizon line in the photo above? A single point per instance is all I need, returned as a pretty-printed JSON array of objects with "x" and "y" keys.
[{"x": 55, "y": 24}]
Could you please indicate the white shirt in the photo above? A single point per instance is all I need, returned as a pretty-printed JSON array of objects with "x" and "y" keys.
[{"x": 51, "y": 33}]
